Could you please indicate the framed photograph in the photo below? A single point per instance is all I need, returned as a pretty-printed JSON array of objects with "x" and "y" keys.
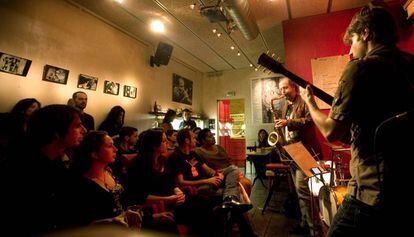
[
  {"x": 111, "y": 87},
  {"x": 182, "y": 91},
  {"x": 55, "y": 74},
  {"x": 130, "y": 91},
  {"x": 87, "y": 82},
  {"x": 14, "y": 65}
]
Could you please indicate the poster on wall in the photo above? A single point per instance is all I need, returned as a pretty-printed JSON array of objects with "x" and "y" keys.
[
  {"x": 111, "y": 87},
  {"x": 326, "y": 73},
  {"x": 130, "y": 91},
  {"x": 263, "y": 90},
  {"x": 182, "y": 91},
  {"x": 87, "y": 82},
  {"x": 14, "y": 65},
  {"x": 55, "y": 74}
]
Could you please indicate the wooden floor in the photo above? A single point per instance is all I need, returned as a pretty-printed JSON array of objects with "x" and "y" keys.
[{"x": 273, "y": 222}]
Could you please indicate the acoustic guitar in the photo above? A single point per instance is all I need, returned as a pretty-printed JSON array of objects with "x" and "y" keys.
[{"x": 276, "y": 67}]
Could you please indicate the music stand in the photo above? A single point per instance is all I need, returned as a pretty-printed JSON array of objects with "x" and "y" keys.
[
  {"x": 302, "y": 158},
  {"x": 305, "y": 162}
]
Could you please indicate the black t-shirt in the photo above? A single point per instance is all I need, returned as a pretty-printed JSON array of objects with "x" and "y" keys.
[{"x": 189, "y": 165}]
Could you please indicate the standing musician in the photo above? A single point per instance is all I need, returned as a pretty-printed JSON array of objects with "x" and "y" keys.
[
  {"x": 373, "y": 89},
  {"x": 296, "y": 125}
]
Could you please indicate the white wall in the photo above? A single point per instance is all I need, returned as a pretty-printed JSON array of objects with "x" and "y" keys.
[
  {"x": 55, "y": 32},
  {"x": 216, "y": 86}
]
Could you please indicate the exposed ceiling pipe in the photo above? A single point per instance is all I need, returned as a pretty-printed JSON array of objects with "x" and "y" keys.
[{"x": 240, "y": 12}]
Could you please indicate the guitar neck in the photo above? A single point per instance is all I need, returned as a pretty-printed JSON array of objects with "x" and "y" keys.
[
  {"x": 325, "y": 97},
  {"x": 276, "y": 67}
]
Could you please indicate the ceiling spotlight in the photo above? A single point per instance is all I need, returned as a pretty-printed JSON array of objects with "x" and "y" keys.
[
  {"x": 214, "y": 31},
  {"x": 238, "y": 53},
  {"x": 157, "y": 26},
  {"x": 192, "y": 6},
  {"x": 251, "y": 65},
  {"x": 119, "y": 1},
  {"x": 219, "y": 35},
  {"x": 256, "y": 69},
  {"x": 232, "y": 47}
]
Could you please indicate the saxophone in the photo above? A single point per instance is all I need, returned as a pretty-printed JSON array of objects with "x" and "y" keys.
[{"x": 276, "y": 137}]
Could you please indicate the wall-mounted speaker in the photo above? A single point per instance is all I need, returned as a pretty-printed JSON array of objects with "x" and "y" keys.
[{"x": 162, "y": 55}]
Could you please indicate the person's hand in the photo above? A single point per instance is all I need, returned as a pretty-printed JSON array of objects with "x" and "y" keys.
[
  {"x": 134, "y": 217},
  {"x": 215, "y": 181},
  {"x": 280, "y": 123},
  {"x": 220, "y": 175},
  {"x": 307, "y": 95},
  {"x": 163, "y": 217},
  {"x": 178, "y": 191},
  {"x": 178, "y": 199}
]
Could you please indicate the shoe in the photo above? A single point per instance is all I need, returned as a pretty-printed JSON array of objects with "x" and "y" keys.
[
  {"x": 232, "y": 203},
  {"x": 299, "y": 230}
]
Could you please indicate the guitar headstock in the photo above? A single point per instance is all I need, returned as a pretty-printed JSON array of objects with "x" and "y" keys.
[{"x": 267, "y": 60}]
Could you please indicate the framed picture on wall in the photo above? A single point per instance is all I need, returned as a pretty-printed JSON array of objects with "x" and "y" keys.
[
  {"x": 87, "y": 82},
  {"x": 111, "y": 87},
  {"x": 55, "y": 74},
  {"x": 130, "y": 91},
  {"x": 14, "y": 65},
  {"x": 182, "y": 91}
]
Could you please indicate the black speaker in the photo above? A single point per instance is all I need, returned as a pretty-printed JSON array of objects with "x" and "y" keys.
[{"x": 162, "y": 55}]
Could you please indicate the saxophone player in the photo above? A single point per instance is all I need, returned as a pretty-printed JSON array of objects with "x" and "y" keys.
[{"x": 295, "y": 124}]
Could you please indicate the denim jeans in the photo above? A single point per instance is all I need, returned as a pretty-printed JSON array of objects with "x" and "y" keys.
[{"x": 355, "y": 218}]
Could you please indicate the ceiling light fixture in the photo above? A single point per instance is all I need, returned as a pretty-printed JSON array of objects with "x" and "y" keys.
[
  {"x": 157, "y": 26},
  {"x": 214, "y": 31},
  {"x": 238, "y": 53},
  {"x": 119, "y": 1},
  {"x": 256, "y": 69},
  {"x": 232, "y": 47},
  {"x": 192, "y": 6},
  {"x": 251, "y": 65},
  {"x": 219, "y": 35}
]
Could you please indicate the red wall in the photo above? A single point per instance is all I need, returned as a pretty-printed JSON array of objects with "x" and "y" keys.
[{"x": 321, "y": 36}]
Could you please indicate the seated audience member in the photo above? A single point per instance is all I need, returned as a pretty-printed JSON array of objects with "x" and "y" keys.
[
  {"x": 262, "y": 136},
  {"x": 148, "y": 181},
  {"x": 168, "y": 119},
  {"x": 113, "y": 122},
  {"x": 192, "y": 171},
  {"x": 127, "y": 152},
  {"x": 100, "y": 191},
  {"x": 41, "y": 192},
  {"x": 172, "y": 139},
  {"x": 13, "y": 125},
  {"x": 216, "y": 157},
  {"x": 196, "y": 130}
]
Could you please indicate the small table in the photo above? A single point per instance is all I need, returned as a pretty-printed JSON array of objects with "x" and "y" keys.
[{"x": 260, "y": 158}]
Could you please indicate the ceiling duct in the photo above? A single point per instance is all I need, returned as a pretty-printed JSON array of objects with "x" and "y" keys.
[{"x": 240, "y": 12}]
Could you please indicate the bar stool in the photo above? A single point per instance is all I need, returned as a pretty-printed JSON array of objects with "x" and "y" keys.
[{"x": 274, "y": 173}]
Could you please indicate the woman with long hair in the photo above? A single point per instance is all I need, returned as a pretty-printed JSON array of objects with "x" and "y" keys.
[
  {"x": 100, "y": 190},
  {"x": 114, "y": 121}
]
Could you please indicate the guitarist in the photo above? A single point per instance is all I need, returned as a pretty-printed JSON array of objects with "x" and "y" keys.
[
  {"x": 296, "y": 125},
  {"x": 374, "y": 88}
]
